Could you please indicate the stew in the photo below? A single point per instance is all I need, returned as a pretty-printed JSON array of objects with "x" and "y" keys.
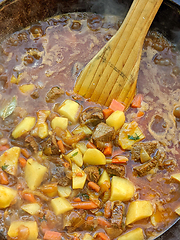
[{"x": 70, "y": 168}]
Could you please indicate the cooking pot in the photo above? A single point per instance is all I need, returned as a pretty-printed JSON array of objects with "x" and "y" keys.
[{"x": 17, "y": 14}]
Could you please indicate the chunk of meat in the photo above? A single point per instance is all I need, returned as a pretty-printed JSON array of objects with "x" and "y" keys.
[
  {"x": 61, "y": 175},
  {"x": 144, "y": 169},
  {"x": 150, "y": 148},
  {"x": 117, "y": 215},
  {"x": 53, "y": 94},
  {"x": 103, "y": 134},
  {"x": 92, "y": 173},
  {"x": 50, "y": 147},
  {"x": 74, "y": 220},
  {"x": 93, "y": 115},
  {"x": 32, "y": 143},
  {"x": 35, "y": 94},
  {"x": 160, "y": 157},
  {"x": 116, "y": 170}
]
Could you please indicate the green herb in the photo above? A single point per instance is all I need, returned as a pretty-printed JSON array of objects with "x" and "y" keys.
[
  {"x": 42, "y": 219},
  {"x": 136, "y": 137},
  {"x": 83, "y": 195},
  {"x": 74, "y": 154},
  {"x": 4, "y": 167},
  {"x": 99, "y": 171},
  {"x": 8, "y": 109}
]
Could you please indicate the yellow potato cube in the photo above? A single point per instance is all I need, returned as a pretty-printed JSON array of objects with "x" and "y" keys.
[
  {"x": 75, "y": 156},
  {"x": 60, "y": 122},
  {"x": 78, "y": 177},
  {"x": 104, "y": 178},
  {"x": 138, "y": 210},
  {"x": 32, "y": 226},
  {"x": 121, "y": 189},
  {"x": 70, "y": 109},
  {"x": 116, "y": 119},
  {"x": 81, "y": 146},
  {"x": 135, "y": 234},
  {"x": 176, "y": 176},
  {"x": 144, "y": 156},
  {"x": 24, "y": 126},
  {"x": 7, "y": 195},
  {"x": 82, "y": 128},
  {"x": 31, "y": 208},
  {"x": 9, "y": 160},
  {"x": 94, "y": 157},
  {"x": 34, "y": 173},
  {"x": 60, "y": 205},
  {"x": 64, "y": 191},
  {"x": 26, "y": 88}
]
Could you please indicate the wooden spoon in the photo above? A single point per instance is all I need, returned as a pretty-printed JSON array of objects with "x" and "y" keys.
[{"x": 113, "y": 72}]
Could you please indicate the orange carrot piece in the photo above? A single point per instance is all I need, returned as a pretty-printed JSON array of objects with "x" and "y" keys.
[
  {"x": 79, "y": 174},
  {"x": 102, "y": 236},
  {"x": 84, "y": 205},
  {"x": 4, "y": 147},
  {"x": 77, "y": 199},
  {"x": 75, "y": 238},
  {"x": 3, "y": 178},
  {"x": 29, "y": 197},
  {"x": 107, "y": 209},
  {"x": 94, "y": 186},
  {"x": 25, "y": 152},
  {"x": 103, "y": 222},
  {"x": 52, "y": 235},
  {"x": 136, "y": 103},
  {"x": 22, "y": 161},
  {"x": 108, "y": 151},
  {"x": 66, "y": 164},
  {"x": 44, "y": 227},
  {"x": 120, "y": 159},
  {"x": 140, "y": 114},
  {"x": 107, "y": 112},
  {"x": 90, "y": 145},
  {"x": 115, "y": 105},
  {"x": 61, "y": 146}
]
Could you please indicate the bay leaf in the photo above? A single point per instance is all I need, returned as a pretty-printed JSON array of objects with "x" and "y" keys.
[{"x": 8, "y": 109}]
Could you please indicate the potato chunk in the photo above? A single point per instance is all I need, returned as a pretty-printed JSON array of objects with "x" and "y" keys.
[
  {"x": 26, "y": 88},
  {"x": 32, "y": 226},
  {"x": 94, "y": 157},
  {"x": 176, "y": 176},
  {"x": 116, "y": 119},
  {"x": 70, "y": 109},
  {"x": 78, "y": 178},
  {"x": 75, "y": 156},
  {"x": 64, "y": 191},
  {"x": 9, "y": 159},
  {"x": 59, "y": 122},
  {"x": 121, "y": 189},
  {"x": 24, "y": 126},
  {"x": 104, "y": 178},
  {"x": 135, "y": 234},
  {"x": 34, "y": 173},
  {"x": 7, "y": 195},
  {"x": 60, "y": 205},
  {"x": 138, "y": 210},
  {"x": 31, "y": 208}
]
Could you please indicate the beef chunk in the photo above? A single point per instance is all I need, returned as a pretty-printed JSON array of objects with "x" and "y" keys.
[
  {"x": 144, "y": 169},
  {"x": 160, "y": 156},
  {"x": 150, "y": 148},
  {"x": 103, "y": 134},
  {"x": 93, "y": 115},
  {"x": 32, "y": 143},
  {"x": 53, "y": 94},
  {"x": 74, "y": 220},
  {"x": 116, "y": 170},
  {"x": 61, "y": 175},
  {"x": 35, "y": 94},
  {"x": 117, "y": 215},
  {"x": 92, "y": 173},
  {"x": 50, "y": 147}
]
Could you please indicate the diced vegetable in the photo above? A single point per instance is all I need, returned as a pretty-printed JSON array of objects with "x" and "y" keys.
[
  {"x": 107, "y": 112},
  {"x": 104, "y": 177},
  {"x": 177, "y": 210},
  {"x": 135, "y": 234},
  {"x": 34, "y": 173},
  {"x": 61, "y": 122},
  {"x": 82, "y": 128},
  {"x": 121, "y": 189},
  {"x": 176, "y": 176},
  {"x": 157, "y": 217},
  {"x": 60, "y": 205},
  {"x": 138, "y": 210},
  {"x": 24, "y": 126},
  {"x": 87, "y": 236},
  {"x": 116, "y": 119},
  {"x": 144, "y": 156},
  {"x": 94, "y": 186},
  {"x": 84, "y": 205},
  {"x": 129, "y": 134},
  {"x": 136, "y": 103},
  {"x": 78, "y": 178},
  {"x": 52, "y": 235},
  {"x": 9, "y": 160},
  {"x": 75, "y": 156},
  {"x": 70, "y": 109},
  {"x": 31, "y": 208},
  {"x": 82, "y": 147},
  {"x": 26, "y": 88},
  {"x": 32, "y": 226},
  {"x": 94, "y": 157},
  {"x": 64, "y": 191},
  {"x": 115, "y": 105},
  {"x": 7, "y": 195}
]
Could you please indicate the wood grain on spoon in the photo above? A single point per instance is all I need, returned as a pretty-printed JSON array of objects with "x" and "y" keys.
[{"x": 113, "y": 72}]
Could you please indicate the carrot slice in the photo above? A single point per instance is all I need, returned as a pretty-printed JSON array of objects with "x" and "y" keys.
[
  {"x": 136, "y": 103},
  {"x": 77, "y": 199},
  {"x": 108, "y": 151},
  {"x": 103, "y": 222},
  {"x": 52, "y": 235},
  {"x": 120, "y": 159},
  {"x": 107, "y": 112},
  {"x": 61, "y": 146},
  {"x": 107, "y": 209},
  {"x": 29, "y": 197},
  {"x": 3, "y": 177},
  {"x": 84, "y": 205},
  {"x": 25, "y": 153},
  {"x": 94, "y": 186},
  {"x": 102, "y": 236},
  {"x": 4, "y": 147},
  {"x": 115, "y": 105},
  {"x": 22, "y": 161},
  {"x": 140, "y": 114},
  {"x": 90, "y": 145}
]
